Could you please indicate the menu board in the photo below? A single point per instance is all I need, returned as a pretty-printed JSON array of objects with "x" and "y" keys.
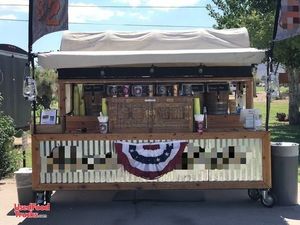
[{"x": 217, "y": 87}]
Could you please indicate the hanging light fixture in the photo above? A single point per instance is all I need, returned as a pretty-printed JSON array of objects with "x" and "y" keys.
[
  {"x": 29, "y": 85},
  {"x": 201, "y": 69},
  {"x": 152, "y": 69}
]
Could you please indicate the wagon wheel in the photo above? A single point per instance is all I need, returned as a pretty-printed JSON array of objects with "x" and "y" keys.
[
  {"x": 267, "y": 199},
  {"x": 39, "y": 197},
  {"x": 254, "y": 194},
  {"x": 48, "y": 195}
]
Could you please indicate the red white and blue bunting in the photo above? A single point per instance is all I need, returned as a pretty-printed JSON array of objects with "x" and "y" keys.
[{"x": 150, "y": 160}]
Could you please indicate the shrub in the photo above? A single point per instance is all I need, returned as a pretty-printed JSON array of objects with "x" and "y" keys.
[
  {"x": 9, "y": 158},
  {"x": 282, "y": 117}
]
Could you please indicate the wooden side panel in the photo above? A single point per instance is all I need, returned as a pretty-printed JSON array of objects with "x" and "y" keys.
[
  {"x": 78, "y": 124},
  {"x": 266, "y": 160},
  {"x": 157, "y": 186},
  {"x": 36, "y": 163},
  {"x": 49, "y": 129},
  {"x": 224, "y": 121}
]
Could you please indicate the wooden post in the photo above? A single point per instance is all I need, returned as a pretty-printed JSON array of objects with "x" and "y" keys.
[
  {"x": 62, "y": 105},
  {"x": 24, "y": 147},
  {"x": 249, "y": 94}
]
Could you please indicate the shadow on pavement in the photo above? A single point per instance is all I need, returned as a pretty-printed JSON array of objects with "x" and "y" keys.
[
  {"x": 11, "y": 213},
  {"x": 163, "y": 207}
]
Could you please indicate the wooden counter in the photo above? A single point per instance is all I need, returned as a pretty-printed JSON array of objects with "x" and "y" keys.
[{"x": 55, "y": 168}]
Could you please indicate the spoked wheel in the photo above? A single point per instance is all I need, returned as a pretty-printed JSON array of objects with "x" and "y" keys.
[
  {"x": 254, "y": 194},
  {"x": 267, "y": 199}
]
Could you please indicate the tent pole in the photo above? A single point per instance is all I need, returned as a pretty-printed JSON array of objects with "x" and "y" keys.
[
  {"x": 31, "y": 58},
  {"x": 270, "y": 59},
  {"x": 268, "y": 92}
]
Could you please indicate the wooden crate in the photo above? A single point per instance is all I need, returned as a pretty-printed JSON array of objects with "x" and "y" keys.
[
  {"x": 172, "y": 114},
  {"x": 150, "y": 114},
  {"x": 128, "y": 115}
]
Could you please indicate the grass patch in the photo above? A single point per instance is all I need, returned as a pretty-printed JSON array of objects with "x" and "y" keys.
[
  {"x": 28, "y": 158},
  {"x": 284, "y": 90},
  {"x": 280, "y": 131},
  {"x": 276, "y": 107},
  {"x": 260, "y": 89}
]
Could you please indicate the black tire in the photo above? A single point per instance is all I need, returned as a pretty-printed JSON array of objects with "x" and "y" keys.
[
  {"x": 269, "y": 201},
  {"x": 39, "y": 198},
  {"x": 48, "y": 195},
  {"x": 254, "y": 194}
]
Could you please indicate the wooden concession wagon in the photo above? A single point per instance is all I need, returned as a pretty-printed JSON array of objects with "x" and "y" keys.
[{"x": 150, "y": 85}]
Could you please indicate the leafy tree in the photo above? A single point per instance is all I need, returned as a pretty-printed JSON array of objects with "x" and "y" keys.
[
  {"x": 46, "y": 87},
  {"x": 258, "y": 17}
]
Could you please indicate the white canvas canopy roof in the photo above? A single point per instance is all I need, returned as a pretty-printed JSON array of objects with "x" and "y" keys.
[{"x": 208, "y": 47}]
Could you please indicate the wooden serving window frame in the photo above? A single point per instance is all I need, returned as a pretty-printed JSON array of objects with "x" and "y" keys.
[{"x": 248, "y": 83}]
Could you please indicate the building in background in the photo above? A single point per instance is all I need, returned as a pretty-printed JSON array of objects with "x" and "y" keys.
[{"x": 12, "y": 68}]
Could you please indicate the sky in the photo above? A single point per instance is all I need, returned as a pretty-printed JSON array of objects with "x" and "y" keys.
[{"x": 98, "y": 19}]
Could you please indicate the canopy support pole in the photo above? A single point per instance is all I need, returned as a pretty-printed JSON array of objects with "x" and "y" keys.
[
  {"x": 31, "y": 60},
  {"x": 270, "y": 65}
]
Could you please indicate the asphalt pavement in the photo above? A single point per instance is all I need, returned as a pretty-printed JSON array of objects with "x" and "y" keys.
[{"x": 207, "y": 207}]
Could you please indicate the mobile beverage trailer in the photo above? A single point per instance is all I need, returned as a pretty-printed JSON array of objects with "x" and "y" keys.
[{"x": 149, "y": 85}]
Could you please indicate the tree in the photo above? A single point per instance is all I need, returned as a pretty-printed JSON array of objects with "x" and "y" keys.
[
  {"x": 258, "y": 17},
  {"x": 46, "y": 87},
  {"x": 9, "y": 158},
  {"x": 288, "y": 53}
]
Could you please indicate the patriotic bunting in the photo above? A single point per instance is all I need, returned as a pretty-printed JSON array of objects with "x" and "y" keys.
[{"x": 150, "y": 160}]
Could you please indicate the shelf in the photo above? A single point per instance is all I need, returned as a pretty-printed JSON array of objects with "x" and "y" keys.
[
  {"x": 207, "y": 134},
  {"x": 48, "y": 129},
  {"x": 153, "y": 80}
]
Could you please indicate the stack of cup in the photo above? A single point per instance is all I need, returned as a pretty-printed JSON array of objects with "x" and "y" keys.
[
  {"x": 199, "y": 123},
  {"x": 103, "y": 123},
  {"x": 199, "y": 118}
]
